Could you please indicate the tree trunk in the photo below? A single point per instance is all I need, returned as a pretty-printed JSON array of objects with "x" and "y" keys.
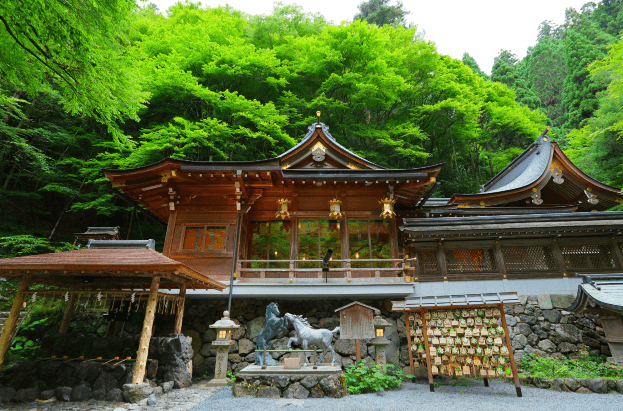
[{"x": 6, "y": 182}]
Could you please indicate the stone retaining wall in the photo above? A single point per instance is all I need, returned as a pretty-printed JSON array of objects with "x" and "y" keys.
[
  {"x": 582, "y": 386},
  {"x": 538, "y": 325},
  {"x": 299, "y": 386},
  {"x": 541, "y": 325},
  {"x": 68, "y": 380}
]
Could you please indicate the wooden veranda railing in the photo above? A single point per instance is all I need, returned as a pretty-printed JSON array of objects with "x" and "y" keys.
[{"x": 398, "y": 267}]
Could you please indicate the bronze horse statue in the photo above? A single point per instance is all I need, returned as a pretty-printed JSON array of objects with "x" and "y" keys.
[{"x": 273, "y": 326}]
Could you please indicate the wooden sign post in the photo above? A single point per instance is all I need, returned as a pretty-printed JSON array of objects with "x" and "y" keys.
[{"x": 356, "y": 323}]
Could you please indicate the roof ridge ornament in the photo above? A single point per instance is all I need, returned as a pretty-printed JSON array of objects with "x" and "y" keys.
[{"x": 541, "y": 139}]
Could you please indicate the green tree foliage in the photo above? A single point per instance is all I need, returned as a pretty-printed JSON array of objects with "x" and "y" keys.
[
  {"x": 505, "y": 71},
  {"x": 584, "y": 43},
  {"x": 380, "y": 12},
  {"x": 544, "y": 70},
  {"x": 472, "y": 64},
  {"x": 226, "y": 86},
  {"x": 286, "y": 20},
  {"x": 81, "y": 47},
  {"x": 598, "y": 146}
]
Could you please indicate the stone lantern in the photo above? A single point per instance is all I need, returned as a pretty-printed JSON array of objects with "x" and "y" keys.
[
  {"x": 224, "y": 326},
  {"x": 379, "y": 339}
]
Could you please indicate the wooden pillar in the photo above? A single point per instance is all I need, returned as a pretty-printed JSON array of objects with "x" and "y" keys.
[
  {"x": 180, "y": 312},
  {"x": 441, "y": 261},
  {"x": 8, "y": 330},
  {"x": 143, "y": 348},
  {"x": 560, "y": 259},
  {"x": 617, "y": 252},
  {"x": 510, "y": 351},
  {"x": 69, "y": 312},
  {"x": 429, "y": 364},
  {"x": 409, "y": 342},
  {"x": 168, "y": 239},
  {"x": 499, "y": 258},
  {"x": 358, "y": 349}
]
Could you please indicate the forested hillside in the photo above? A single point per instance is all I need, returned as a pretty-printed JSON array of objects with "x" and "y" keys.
[{"x": 128, "y": 86}]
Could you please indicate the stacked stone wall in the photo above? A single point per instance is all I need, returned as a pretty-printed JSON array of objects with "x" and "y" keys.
[
  {"x": 80, "y": 380},
  {"x": 538, "y": 325}
]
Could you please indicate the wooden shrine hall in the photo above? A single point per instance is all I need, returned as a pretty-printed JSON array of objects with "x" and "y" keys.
[
  {"x": 265, "y": 226},
  {"x": 130, "y": 271},
  {"x": 269, "y": 222}
]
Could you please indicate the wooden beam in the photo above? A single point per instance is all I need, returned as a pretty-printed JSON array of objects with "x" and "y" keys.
[
  {"x": 168, "y": 240},
  {"x": 180, "y": 312},
  {"x": 408, "y": 323},
  {"x": 69, "y": 312},
  {"x": 510, "y": 350},
  {"x": 143, "y": 348},
  {"x": 429, "y": 363},
  {"x": 8, "y": 330}
]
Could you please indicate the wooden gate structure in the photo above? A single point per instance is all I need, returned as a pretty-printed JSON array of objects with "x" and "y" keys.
[{"x": 123, "y": 271}]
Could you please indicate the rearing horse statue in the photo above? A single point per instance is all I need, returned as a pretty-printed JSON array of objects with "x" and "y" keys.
[
  {"x": 307, "y": 336},
  {"x": 274, "y": 325}
]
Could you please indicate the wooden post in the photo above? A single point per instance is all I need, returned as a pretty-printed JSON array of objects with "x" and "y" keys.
[
  {"x": 143, "y": 348},
  {"x": 409, "y": 342},
  {"x": 510, "y": 350},
  {"x": 8, "y": 330},
  {"x": 168, "y": 239},
  {"x": 427, "y": 350},
  {"x": 560, "y": 259},
  {"x": 358, "y": 349},
  {"x": 180, "y": 312},
  {"x": 131, "y": 221},
  {"x": 69, "y": 312}
]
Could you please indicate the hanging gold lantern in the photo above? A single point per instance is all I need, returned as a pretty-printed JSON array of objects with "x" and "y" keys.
[
  {"x": 334, "y": 206},
  {"x": 283, "y": 208},
  {"x": 388, "y": 208}
]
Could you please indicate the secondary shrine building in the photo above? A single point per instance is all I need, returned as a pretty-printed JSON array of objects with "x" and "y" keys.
[{"x": 269, "y": 223}]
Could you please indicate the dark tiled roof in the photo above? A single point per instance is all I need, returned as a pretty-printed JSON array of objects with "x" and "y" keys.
[
  {"x": 523, "y": 170},
  {"x": 601, "y": 290}
]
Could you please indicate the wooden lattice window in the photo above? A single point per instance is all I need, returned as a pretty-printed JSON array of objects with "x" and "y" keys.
[
  {"x": 587, "y": 257},
  {"x": 530, "y": 258},
  {"x": 470, "y": 261},
  {"x": 427, "y": 261}
]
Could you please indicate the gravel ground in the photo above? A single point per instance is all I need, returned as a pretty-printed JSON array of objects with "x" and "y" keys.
[{"x": 498, "y": 396}]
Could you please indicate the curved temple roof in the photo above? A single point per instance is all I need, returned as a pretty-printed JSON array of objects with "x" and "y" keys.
[
  {"x": 523, "y": 170},
  {"x": 542, "y": 173},
  {"x": 602, "y": 290}
]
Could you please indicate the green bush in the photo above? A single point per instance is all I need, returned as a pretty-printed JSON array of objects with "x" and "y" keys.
[
  {"x": 583, "y": 367},
  {"x": 370, "y": 378}
]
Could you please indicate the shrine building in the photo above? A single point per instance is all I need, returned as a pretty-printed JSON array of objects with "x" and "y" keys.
[{"x": 269, "y": 223}]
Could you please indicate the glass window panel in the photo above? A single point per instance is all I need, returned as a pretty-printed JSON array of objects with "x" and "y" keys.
[
  {"x": 330, "y": 238},
  {"x": 279, "y": 243},
  {"x": 215, "y": 238},
  {"x": 308, "y": 243},
  {"x": 259, "y": 242},
  {"x": 379, "y": 239},
  {"x": 192, "y": 238},
  {"x": 358, "y": 244}
]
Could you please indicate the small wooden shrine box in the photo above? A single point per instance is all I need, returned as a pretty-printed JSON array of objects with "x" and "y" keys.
[{"x": 356, "y": 321}]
